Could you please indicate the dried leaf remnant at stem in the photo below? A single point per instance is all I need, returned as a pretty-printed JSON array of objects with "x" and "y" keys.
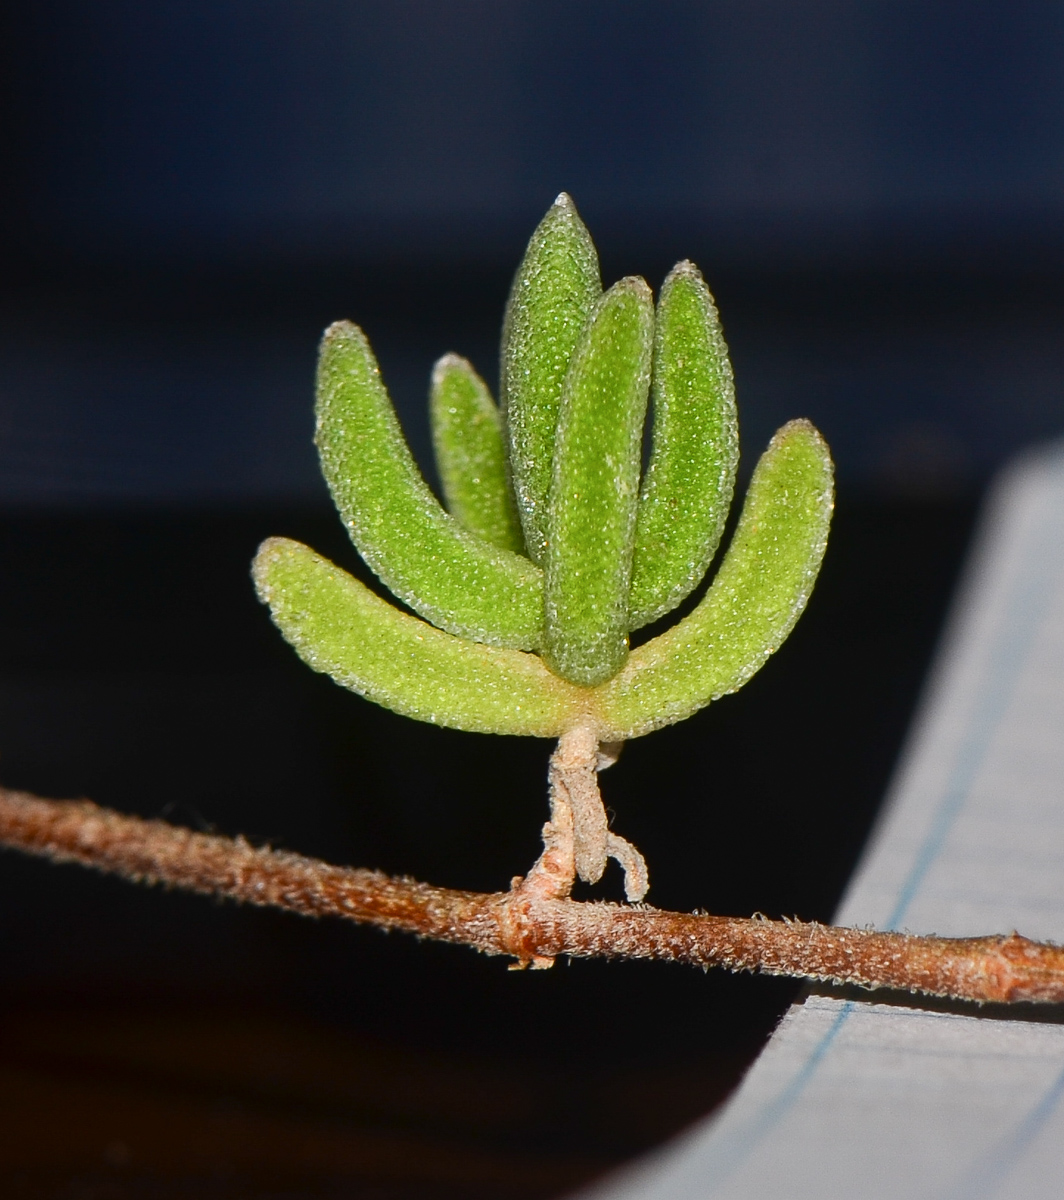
[
  {"x": 578, "y": 827},
  {"x": 529, "y": 923}
]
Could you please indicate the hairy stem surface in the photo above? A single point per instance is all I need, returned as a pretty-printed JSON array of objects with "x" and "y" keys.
[{"x": 528, "y": 923}]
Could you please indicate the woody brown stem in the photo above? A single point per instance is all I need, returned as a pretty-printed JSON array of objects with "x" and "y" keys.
[{"x": 528, "y": 923}]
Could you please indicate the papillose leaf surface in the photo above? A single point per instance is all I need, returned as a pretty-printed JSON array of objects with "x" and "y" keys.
[
  {"x": 553, "y": 294},
  {"x": 752, "y": 604},
  {"x": 339, "y": 627},
  {"x": 690, "y": 478},
  {"x": 557, "y": 474},
  {"x": 467, "y": 435},
  {"x": 453, "y": 577},
  {"x": 594, "y": 492}
]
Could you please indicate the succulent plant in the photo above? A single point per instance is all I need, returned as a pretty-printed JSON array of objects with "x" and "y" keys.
[
  {"x": 550, "y": 552},
  {"x": 553, "y": 546}
]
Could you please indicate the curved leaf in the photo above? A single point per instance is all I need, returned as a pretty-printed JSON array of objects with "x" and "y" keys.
[
  {"x": 593, "y": 496},
  {"x": 688, "y": 485},
  {"x": 758, "y": 594},
  {"x": 452, "y": 577},
  {"x": 470, "y": 454},
  {"x": 553, "y": 293},
  {"x": 339, "y": 627}
]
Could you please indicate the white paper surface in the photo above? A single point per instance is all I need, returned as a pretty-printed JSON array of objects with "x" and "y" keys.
[{"x": 866, "y": 1101}]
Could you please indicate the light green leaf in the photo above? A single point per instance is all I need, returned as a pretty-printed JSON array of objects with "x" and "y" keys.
[
  {"x": 553, "y": 293},
  {"x": 593, "y": 496},
  {"x": 758, "y": 594},
  {"x": 470, "y": 454},
  {"x": 452, "y": 577},
  {"x": 689, "y": 482},
  {"x": 576, "y": 369},
  {"x": 339, "y": 627}
]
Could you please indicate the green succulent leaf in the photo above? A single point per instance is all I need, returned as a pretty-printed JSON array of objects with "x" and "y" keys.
[
  {"x": 471, "y": 455},
  {"x": 553, "y": 294},
  {"x": 453, "y": 577},
  {"x": 595, "y": 489},
  {"x": 688, "y": 485},
  {"x": 758, "y": 594},
  {"x": 339, "y": 627},
  {"x": 557, "y": 475}
]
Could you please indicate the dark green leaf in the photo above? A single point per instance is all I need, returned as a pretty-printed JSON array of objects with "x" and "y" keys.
[
  {"x": 688, "y": 486},
  {"x": 595, "y": 490},
  {"x": 554, "y": 291}
]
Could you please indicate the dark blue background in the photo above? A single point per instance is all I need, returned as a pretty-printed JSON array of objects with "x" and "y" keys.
[{"x": 875, "y": 190}]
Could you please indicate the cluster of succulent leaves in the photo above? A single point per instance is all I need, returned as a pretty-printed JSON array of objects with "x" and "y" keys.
[{"x": 554, "y": 545}]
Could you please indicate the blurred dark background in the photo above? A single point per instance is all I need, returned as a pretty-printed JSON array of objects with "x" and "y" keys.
[{"x": 190, "y": 192}]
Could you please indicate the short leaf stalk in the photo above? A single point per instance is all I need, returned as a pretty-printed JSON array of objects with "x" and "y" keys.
[{"x": 552, "y": 549}]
